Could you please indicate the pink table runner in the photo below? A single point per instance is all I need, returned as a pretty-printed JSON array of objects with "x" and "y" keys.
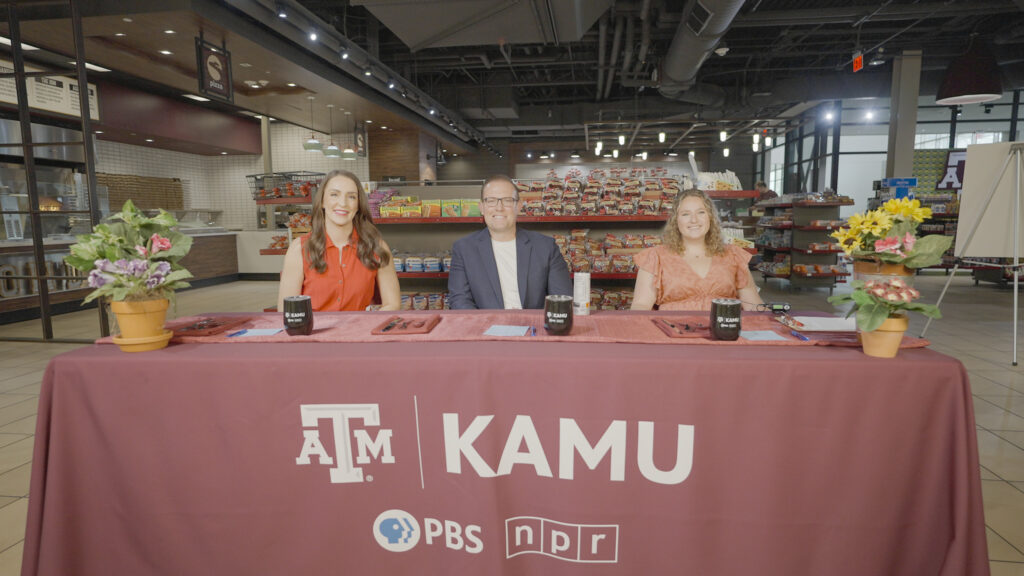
[{"x": 460, "y": 326}]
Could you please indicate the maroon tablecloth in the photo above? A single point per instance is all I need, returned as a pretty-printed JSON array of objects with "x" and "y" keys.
[{"x": 504, "y": 458}]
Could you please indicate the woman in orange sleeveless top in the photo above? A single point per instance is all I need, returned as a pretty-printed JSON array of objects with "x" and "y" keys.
[
  {"x": 694, "y": 265},
  {"x": 343, "y": 261}
]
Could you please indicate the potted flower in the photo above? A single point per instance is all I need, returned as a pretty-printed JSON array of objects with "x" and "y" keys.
[
  {"x": 884, "y": 241},
  {"x": 132, "y": 263},
  {"x": 881, "y": 307}
]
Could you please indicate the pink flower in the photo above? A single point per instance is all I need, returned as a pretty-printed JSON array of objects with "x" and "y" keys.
[
  {"x": 890, "y": 244},
  {"x": 897, "y": 284},
  {"x": 159, "y": 243},
  {"x": 877, "y": 291},
  {"x": 893, "y": 297},
  {"x": 142, "y": 251},
  {"x": 908, "y": 241}
]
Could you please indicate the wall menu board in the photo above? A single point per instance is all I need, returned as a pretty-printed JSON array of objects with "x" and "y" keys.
[{"x": 50, "y": 93}]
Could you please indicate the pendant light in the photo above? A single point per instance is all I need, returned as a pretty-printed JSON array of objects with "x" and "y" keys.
[
  {"x": 312, "y": 145},
  {"x": 331, "y": 151},
  {"x": 971, "y": 79},
  {"x": 348, "y": 153}
]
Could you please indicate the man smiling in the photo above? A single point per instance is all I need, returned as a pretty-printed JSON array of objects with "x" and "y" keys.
[{"x": 503, "y": 267}]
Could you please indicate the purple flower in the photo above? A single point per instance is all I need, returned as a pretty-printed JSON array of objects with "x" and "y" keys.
[
  {"x": 162, "y": 268},
  {"x": 97, "y": 278},
  {"x": 104, "y": 265},
  {"x": 154, "y": 281},
  {"x": 137, "y": 268},
  {"x": 121, "y": 267}
]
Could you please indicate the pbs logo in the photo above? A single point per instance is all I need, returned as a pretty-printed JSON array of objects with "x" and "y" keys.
[{"x": 396, "y": 530}]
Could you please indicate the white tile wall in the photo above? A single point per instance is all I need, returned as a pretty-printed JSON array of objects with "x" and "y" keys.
[{"x": 218, "y": 182}]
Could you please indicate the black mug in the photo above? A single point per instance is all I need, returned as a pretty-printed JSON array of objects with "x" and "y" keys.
[
  {"x": 725, "y": 318},
  {"x": 298, "y": 315},
  {"x": 558, "y": 314}
]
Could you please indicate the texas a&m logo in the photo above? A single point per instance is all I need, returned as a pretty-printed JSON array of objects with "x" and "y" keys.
[{"x": 341, "y": 417}]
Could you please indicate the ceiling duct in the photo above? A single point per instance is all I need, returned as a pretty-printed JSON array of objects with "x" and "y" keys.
[{"x": 698, "y": 34}]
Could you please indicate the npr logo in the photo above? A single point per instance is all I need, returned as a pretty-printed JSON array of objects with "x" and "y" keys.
[
  {"x": 341, "y": 415},
  {"x": 586, "y": 543}
]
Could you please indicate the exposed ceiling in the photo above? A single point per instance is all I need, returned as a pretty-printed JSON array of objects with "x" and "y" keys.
[{"x": 573, "y": 69}]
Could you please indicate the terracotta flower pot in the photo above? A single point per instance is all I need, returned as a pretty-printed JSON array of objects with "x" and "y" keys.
[
  {"x": 873, "y": 270},
  {"x": 141, "y": 324},
  {"x": 884, "y": 342}
]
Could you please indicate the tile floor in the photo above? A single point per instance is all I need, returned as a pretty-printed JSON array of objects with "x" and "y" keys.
[{"x": 977, "y": 329}]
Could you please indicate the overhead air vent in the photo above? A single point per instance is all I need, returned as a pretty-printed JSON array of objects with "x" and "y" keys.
[{"x": 698, "y": 18}]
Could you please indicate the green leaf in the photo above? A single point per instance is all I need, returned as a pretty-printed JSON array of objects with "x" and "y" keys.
[
  {"x": 928, "y": 251},
  {"x": 871, "y": 316}
]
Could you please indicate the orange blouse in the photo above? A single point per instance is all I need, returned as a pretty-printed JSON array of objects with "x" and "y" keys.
[
  {"x": 679, "y": 287},
  {"x": 347, "y": 284}
]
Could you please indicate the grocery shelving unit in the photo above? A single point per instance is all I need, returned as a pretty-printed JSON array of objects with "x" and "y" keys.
[{"x": 809, "y": 225}]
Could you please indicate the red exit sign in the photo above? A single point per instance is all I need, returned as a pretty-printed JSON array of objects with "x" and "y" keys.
[{"x": 858, "y": 62}]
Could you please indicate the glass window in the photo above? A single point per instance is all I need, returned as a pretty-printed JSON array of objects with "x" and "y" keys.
[
  {"x": 963, "y": 140},
  {"x": 931, "y": 141}
]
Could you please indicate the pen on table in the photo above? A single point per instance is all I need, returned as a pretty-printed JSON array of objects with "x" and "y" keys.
[
  {"x": 799, "y": 335},
  {"x": 239, "y": 333},
  {"x": 533, "y": 330}
]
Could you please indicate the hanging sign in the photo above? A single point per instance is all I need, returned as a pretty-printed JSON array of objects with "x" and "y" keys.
[
  {"x": 858, "y": 61},
  {"x": 50, "y": 93},
  {"x": 213, "y": 64},
  {"x": 360, "y": 138}
]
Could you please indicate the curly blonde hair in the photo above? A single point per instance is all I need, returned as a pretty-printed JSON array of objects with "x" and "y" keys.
[{"x": 714, "y": 242}]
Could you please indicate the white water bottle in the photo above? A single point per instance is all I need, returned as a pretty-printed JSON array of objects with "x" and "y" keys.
[{"x": 581, "y": 293}]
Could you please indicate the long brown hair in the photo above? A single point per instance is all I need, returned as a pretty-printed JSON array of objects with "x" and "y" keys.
[
  {"x": 369, "y": 249},
  {"x": 673, "y": 238}
]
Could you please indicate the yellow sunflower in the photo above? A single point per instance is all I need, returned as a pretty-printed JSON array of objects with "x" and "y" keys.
[
  {"x": 907, "y": 209},
  {"x": 877, "y": 223}
]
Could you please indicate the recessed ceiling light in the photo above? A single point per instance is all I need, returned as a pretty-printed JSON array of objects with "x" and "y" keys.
[
  {"x": 92, "y": 67},
  {"x": 368, "y": 121},
  {"x": 313, "y": 36},
  {"x": 223, "y": 153},
  {"x": 347, "y": 113},
  {"x": 272, "y": 119},
  {"x": 257, "y": 116},
  {"x": 120, "y": 34},
  {"x": 98, "y": 132},
  {"x": 126, "y": 19},
  {"x": 196, "y": 98},
  {"x": 168, "y": 31},
  {"x": 149, "y": 139},
  {"x": 291, "y": 84},
  {"x": 166, "y": 52},
  {"x": 383, "y": 127},
  {"x": 245, "y": 65}
]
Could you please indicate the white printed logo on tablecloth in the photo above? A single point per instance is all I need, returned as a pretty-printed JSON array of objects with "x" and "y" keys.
[
  {"x": 583, "y": 543},
  {"x": 341, "y": 416}
]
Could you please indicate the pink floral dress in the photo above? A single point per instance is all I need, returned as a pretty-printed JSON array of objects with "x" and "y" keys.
[{"x": 678, "y": 287}]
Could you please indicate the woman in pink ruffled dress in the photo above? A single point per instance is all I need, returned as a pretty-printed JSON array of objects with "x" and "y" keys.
[{"x": 694, "y": 265}]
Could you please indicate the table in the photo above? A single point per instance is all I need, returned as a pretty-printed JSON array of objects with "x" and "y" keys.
[{"x": 512, "y": 458}]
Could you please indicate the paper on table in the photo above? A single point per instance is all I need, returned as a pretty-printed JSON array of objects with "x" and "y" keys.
[
  {"x": 255, "y": 332},
  {"x": 761, "y": 335},
  {"x": 501, "y": 330},
  {"x": 825, "y": 324}
]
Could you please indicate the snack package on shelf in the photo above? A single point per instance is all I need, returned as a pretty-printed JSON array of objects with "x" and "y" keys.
[
  {"x": 471, "y": 207},
  {"x": 451, "y": 208},
  {"x": 431, "y": 208}
]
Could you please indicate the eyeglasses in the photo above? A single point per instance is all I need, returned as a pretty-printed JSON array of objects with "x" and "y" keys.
[{"x": 508, "y": 202}]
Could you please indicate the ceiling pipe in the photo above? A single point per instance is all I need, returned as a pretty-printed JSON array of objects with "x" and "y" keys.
[
  {"x": 689, "y": 50},
  {"x": 627, "y": 55},
  {"x": 616, "y": 44},
  {"x": 645, "y": 36},
  {"x": 601, "y": 48}
]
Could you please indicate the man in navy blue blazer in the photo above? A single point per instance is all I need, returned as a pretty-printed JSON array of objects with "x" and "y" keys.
[{"x": 502, "y": 267}]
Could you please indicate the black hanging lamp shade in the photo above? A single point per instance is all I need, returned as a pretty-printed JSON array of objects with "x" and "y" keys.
[{"x": 971, "y": 79}]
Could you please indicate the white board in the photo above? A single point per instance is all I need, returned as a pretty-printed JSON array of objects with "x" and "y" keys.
[{"x": 994, "y": 235}]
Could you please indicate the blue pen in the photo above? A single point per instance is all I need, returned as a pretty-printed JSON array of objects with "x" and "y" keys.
[
  {"x": 799, "y": 335},
  {"x": 239, "y": 333},
  {"x": 533, "y": 330}
]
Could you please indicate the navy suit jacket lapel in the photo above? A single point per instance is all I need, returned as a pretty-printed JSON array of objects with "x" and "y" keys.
[
  {"x": 491, "y": 264},
  {"x": 522, "y": 265}
]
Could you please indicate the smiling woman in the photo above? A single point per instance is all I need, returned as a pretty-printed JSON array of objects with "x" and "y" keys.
[
  {"x": 343, "y": 263},
  {"x": 694, "y": 265}
]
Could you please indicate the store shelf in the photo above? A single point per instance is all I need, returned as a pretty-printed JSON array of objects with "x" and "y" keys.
[
  {"x": 785, "y": 205},
  {"x": 828, "y": 275},
  {"x": 273, "y": 251},
  {"x": 422, "y": 275},
  {"x": 776, "y": 226},
  {"x": 295, "y": 200},
  {"x": 822, "y": 204},
  {"x": 593, "y": 275},
  {"x": 772, "y": 274},
  {"x": 772, "y": 248},
  {"x": 817, "y": 228},
  {"x": 727, "y": 194},
  {"x": 521, "y": 218},
  {"x": 802, "y": 251}
]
